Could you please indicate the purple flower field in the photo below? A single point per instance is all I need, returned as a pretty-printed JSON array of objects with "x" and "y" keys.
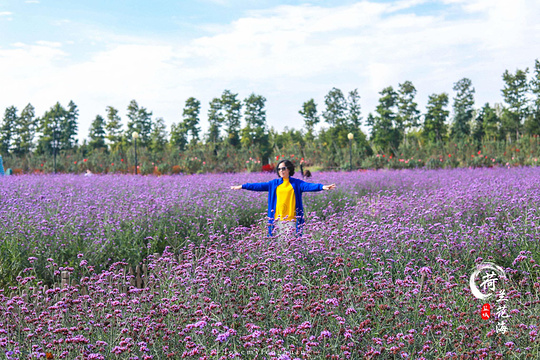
[{"x": 382, "y": 270}]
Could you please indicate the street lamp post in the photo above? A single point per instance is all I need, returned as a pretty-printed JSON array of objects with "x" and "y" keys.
[
  {"x": 135, "y": 137},
  {"x": 351, "y": 137}
]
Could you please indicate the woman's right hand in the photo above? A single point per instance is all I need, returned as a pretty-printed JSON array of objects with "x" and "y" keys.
[{"x": 237, "y": 187}]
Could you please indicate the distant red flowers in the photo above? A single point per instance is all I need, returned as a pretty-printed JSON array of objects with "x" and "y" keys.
[{"x": 268, "y": 168}]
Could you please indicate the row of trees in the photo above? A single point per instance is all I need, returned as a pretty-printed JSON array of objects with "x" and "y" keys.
[
  {"x": 396, "y": 122},
  {"x": 397, "y": 118}
]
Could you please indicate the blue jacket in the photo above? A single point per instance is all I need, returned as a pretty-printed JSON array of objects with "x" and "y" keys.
[{"x": 299, "y": 187}]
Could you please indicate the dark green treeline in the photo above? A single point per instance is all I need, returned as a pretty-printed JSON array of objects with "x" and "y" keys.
[{"x": 451, "y": 131}]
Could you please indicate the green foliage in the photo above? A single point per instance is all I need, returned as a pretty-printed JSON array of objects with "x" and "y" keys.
[
  {"x": 215, "y": 119},
  {"x": 226, "y": 147},
  {"x": 113, "y": 128},
  {"x": 309, "y": 113},
  {"x": 69, "y": 127},
  {"x": 97, "y": 133},
  {"x": 191, "y": 113},
  {"x": 354, "y": 109},
  {"x": 435, "y": 128},
  {"x": 408, "y": 112},
  {"x": 140, "y": 120},
  {"x": 343, "y": 115},
  {"x": 289, "y": 138},
  {"x": 179, "y": 134},
  {"x": 7, "y": 129},
  {"x": 374, "y": 162},
  {"x": 231, "y": 108},
  {"x": 336, "y": 108},
  {"x": 385, "y": 126},
  {"x": 25, "y": 131},
  {"x": 532, "y": 123},
  {"x": 463, "y": 110},
  {"x": 515, "y": 95},
  {"x": 50, "y": 128},
  {"x": 255, "y": 134},
  {"x": 158, "y": 137},
  {"x": 58, "y": 128},
  {"x": 255, "y": 113}
]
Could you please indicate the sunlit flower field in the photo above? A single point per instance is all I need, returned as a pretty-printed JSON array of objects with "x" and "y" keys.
[{"x": 382, "y": 270}]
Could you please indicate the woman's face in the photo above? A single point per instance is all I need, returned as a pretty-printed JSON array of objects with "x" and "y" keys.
[{"x": 283, "y": 171}]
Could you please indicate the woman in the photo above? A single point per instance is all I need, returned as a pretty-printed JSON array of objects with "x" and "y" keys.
[{"x": 285, "y": 208}]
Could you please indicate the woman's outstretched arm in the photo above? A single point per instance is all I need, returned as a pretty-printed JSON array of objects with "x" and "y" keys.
[
  {"x": 263, "y": 186},
  {"x": 308, "y": 187}
]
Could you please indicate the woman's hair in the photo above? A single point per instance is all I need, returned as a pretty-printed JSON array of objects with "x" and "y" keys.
[{"x": 289, "y": 166}]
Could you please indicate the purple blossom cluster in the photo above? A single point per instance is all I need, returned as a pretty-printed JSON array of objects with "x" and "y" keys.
[{"x": 382, "y": 270}]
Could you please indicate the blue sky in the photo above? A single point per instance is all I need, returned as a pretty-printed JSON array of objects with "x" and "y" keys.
[{"x": 106, "y": 53}]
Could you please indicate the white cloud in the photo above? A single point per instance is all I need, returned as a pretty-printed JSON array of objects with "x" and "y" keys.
[
  {"x": 288, "y": 54},
  {"x": 31, "y": 74},
  {"x": 6, "y": 13},
  {"x": 52, "y": 44},
  {"x": 286, "y": 41}
]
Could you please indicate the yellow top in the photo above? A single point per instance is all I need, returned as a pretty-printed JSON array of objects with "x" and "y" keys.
[{"x": 286, "y": 202}]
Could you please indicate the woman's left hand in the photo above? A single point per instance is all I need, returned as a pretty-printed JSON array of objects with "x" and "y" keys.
[{"x": 329, "y": 187}]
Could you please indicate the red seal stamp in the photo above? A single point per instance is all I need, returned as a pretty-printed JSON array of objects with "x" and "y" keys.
[{"x": 486, "y": 311}]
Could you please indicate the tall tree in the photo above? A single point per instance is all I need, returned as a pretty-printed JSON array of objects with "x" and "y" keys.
[
  {"x": 354, "y": 109},
  {"x": 255, "y": 113},
  {"x": 515, "y": 95},
  {"x": 435, "y": 128},
  {"x": 255, "y": 131},
  {"x": 408, "y": 113},
  {"x": 309, "y": 113},
  {"x": 113, "y": 127},
  {"x": 191, "y": 113},
  {"x": 69, "y": 127},
  {"x": 140, "y": 120},
  {"x": 463, "y": 109},
  {"x": 343, "y": 115},
  {"x": 159, "y": 136},
  {"x": 25, "y": 131},
  {"x": 385, "y": 133},
  {"x": 179, "y": 135},
  {"x": 336, "y": 108},
  {"x": 97, "y": 133},
  {"x": 7, "y": 129},
  {"x": 231, "y": 107},
  {"x": 477, "y": 127},
  {"x": 50, "y": 128},
  {"x": 215, "y": 118},
  {"x": 532, "y": 124},
  {"x": 487, "y": 124}
]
